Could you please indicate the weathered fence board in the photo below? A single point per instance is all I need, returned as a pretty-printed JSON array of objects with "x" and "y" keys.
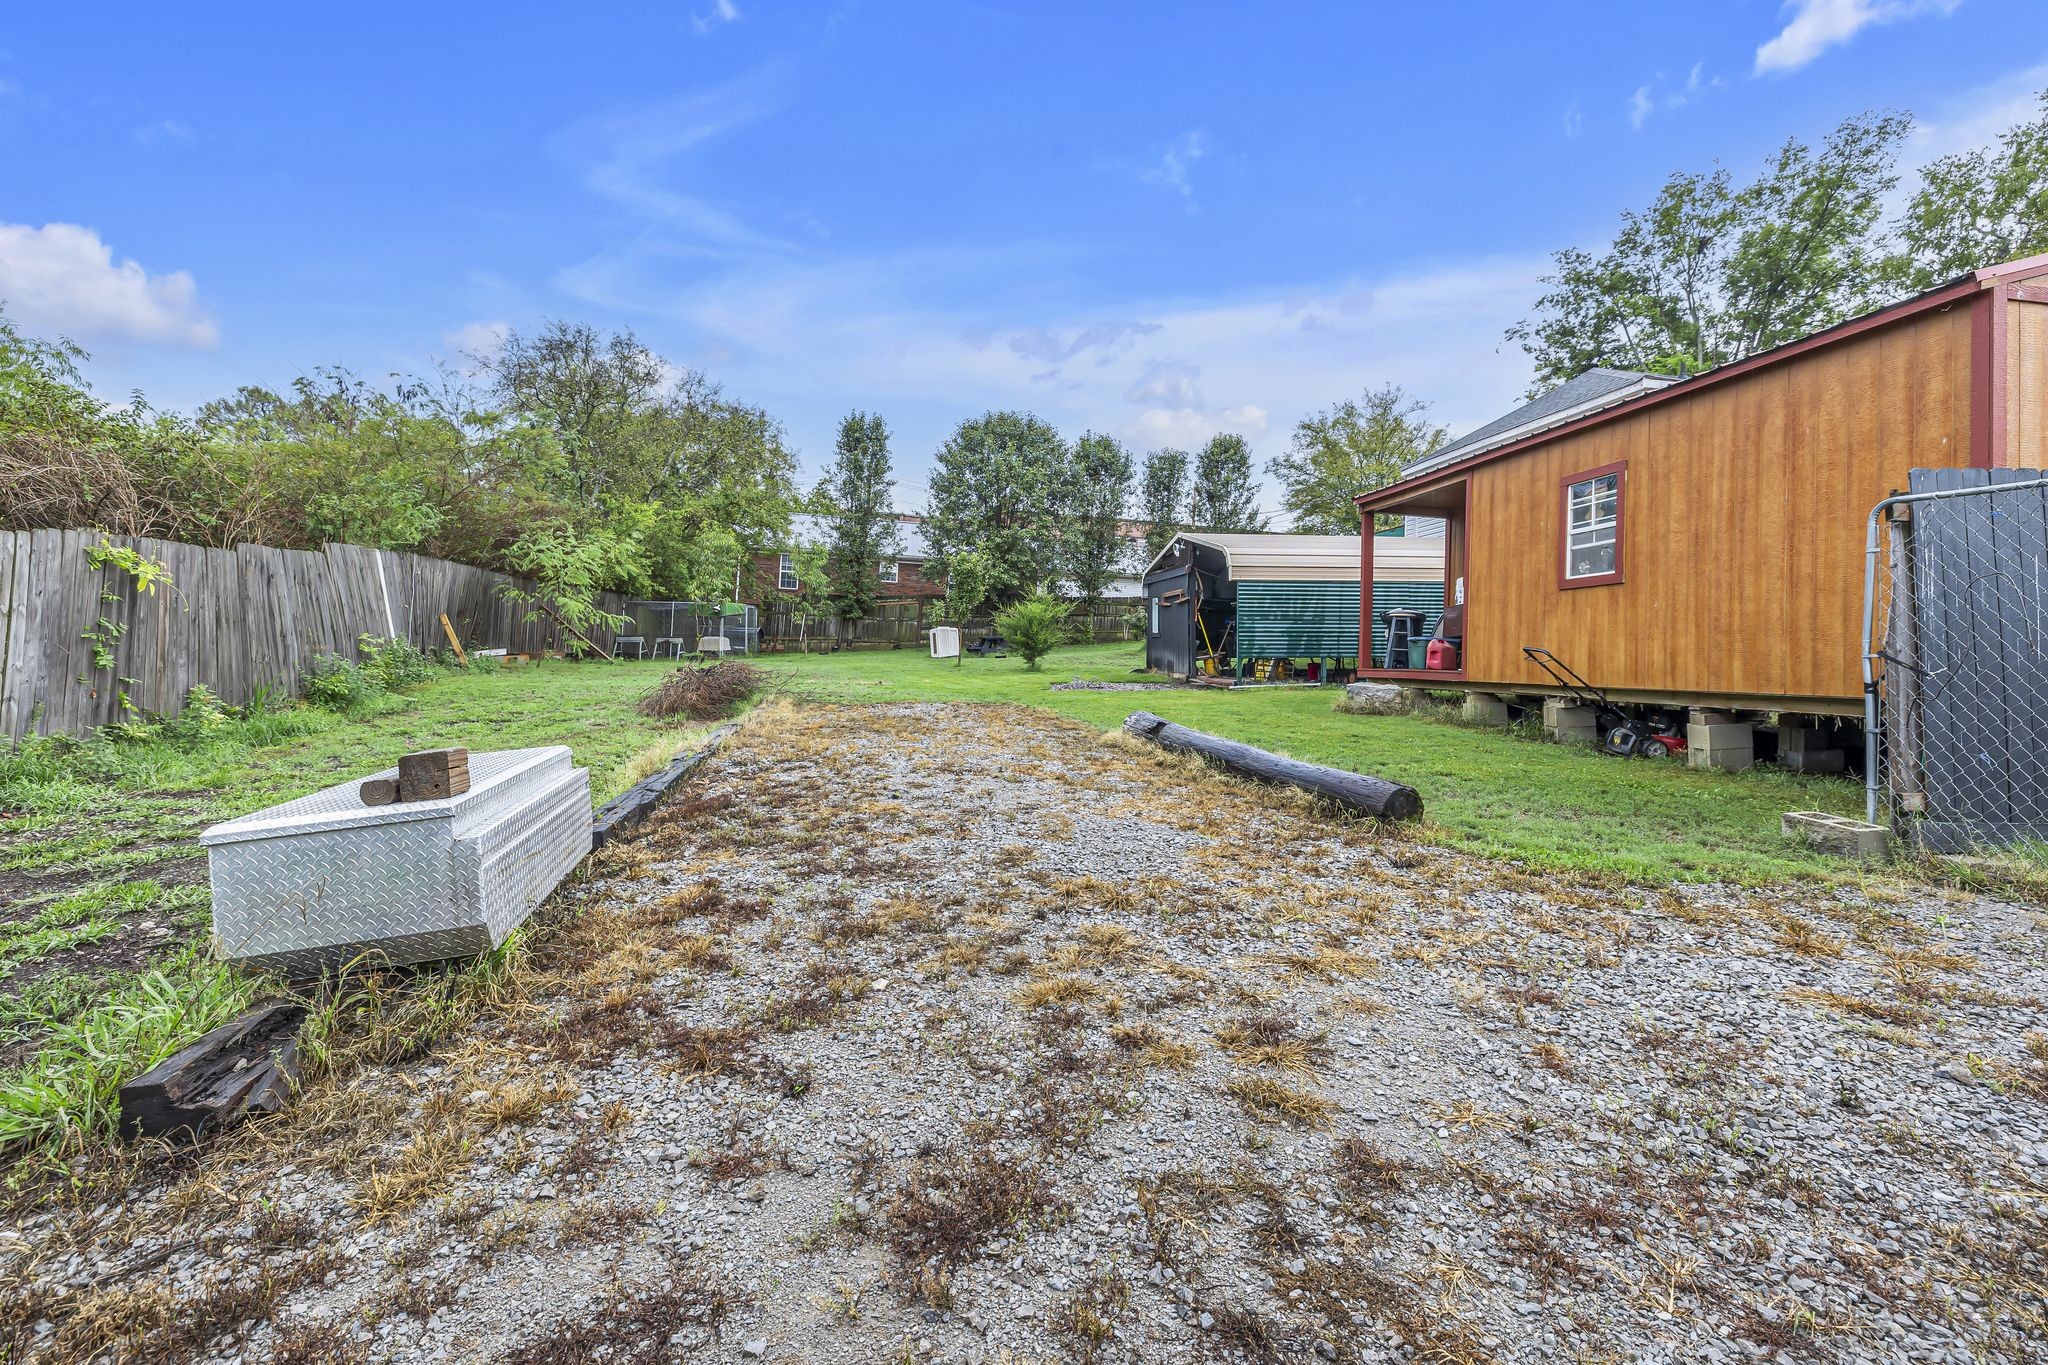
[{"x": 240, "y": 621}]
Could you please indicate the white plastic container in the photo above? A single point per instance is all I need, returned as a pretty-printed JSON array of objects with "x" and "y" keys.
[
  {"x": 323, "y": 880},
  {"x": 945, "y": 642}
]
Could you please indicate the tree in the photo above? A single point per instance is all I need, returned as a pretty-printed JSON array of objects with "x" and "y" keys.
[
  {"x": 1225, "y": 498},
  {"x": 1000, "y": 486},
  {"x": 861, "y": 524},
  {"x": 1034, "y": 627},
  {"x": 1100, "y": 493},
  {"x": 1351, "y": 449},
  {"x": 813, "y": 599},
  {"x": 1165, "y": 498},
  {"x": 1710, "y": 273},
  {"x": 968, "y": 577},
  {"x": 1978, "y": 208}
]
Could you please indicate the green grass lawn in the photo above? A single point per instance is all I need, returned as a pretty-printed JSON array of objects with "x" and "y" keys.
[{"x": 1493, "y": 792}]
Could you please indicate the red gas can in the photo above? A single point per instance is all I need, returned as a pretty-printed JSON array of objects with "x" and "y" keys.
[{"x": 1441, "y": 654}]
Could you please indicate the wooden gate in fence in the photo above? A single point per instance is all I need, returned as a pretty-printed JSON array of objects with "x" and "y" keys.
[{"x": 238, "y": 621}]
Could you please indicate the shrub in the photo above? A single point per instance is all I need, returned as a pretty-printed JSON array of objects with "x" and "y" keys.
[
  {"x": 333, "y": 682},
  {"x": 392, "y": 664},
  {"x": 204, "y": 714},
  {"x": 1034, "y": 627}
]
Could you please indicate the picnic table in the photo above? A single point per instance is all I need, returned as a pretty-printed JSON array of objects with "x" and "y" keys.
[{"x": 989, "y": 644}]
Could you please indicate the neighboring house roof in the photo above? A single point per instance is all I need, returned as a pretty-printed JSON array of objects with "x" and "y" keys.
[
  {"x": 1317, "y": 559},
  {"x": 910, "y": 542},
  {"x": 1585, "y": 393}
]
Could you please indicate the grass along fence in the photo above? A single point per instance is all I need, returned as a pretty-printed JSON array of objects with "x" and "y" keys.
[
  {"x": 94, "y": 628},
  {"x": 902, "y": 625}
]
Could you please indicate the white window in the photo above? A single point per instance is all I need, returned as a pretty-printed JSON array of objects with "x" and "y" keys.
[
  {"x": 1592, "y": 546},
  {"x": 1155, "y": 616},
  {"x": 888, "y": 571},
  {"x": 785, "y": 576}
]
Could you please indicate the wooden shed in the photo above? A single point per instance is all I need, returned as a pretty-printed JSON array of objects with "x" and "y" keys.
[
  {"x": 1231, "y": 605},
  {"x": 1701, "y": 543}
]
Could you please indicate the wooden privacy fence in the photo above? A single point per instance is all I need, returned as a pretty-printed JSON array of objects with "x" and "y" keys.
[{"x": 238, "y": 621}]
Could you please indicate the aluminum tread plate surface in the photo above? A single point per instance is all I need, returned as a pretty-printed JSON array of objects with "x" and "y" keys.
[{"x": 309, "y": 891}]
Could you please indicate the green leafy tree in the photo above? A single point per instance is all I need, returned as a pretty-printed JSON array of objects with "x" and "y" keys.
[
  {"x": 1712, "y": 272},
  {"x": 1100, "y": 493},
  {"x": 814, "y": 599},
  {"x": 1978, "y": 208},
  {"x": 1353, "y": 448},
  {"x": 970, "y": 576},
  {"x": 1001, "y": 486},
  {"x": 1163, "y": 495},
  {"x": 1224, "y": 497},
  {"x": 570, "y": 569},
  {"x": 862, "y": 525},
  {"x": 1034, "y": 627}
]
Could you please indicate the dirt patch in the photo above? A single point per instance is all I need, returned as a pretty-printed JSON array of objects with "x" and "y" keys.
[{"x": 921, "y": 1032}]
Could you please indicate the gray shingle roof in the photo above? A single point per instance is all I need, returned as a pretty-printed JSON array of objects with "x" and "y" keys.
[{"x": 1581, "y": 391}]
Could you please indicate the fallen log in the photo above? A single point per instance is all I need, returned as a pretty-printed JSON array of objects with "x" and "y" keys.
[
  {"x": 247, "y": 1066},
  {"x": 1361, "y": 792}
]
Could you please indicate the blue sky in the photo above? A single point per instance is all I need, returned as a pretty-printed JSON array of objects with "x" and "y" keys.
[{"x": 1159, "y": 222}]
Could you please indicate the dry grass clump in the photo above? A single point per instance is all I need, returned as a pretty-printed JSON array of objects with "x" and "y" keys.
[
  {"x": 637, "y": 1322},
  {"x": 1149, "y": 1043},
  {"x": 1057, "y": 990},
  {"x": 1327, "y": 963},
  {"x": 1807, "y": 939},
  {"x": 1267, "y": 1099},
  {"x": 952, "y": 1203},
  {"x": 1364, "y": 1169},
  {"x": 703, "y": 691},
  {"x": 695, "y": 1050},
  {"x": 1270, "y": 1040}
]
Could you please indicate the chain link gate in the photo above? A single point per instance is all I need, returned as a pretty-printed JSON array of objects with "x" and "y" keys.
[{"x": 1955, "y": 617}]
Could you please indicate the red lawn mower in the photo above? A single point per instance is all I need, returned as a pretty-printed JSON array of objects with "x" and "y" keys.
[{"x": 1623, "y": 736}]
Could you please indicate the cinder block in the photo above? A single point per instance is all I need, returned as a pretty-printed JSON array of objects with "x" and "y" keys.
[
  {"x": 1484, "y": 709},
  {"x": 1729, "y": 746},
  {"x": 1571, "y": 724},
  {"x": 1799, "y": 739},
  {"x": 1707, "y": 716},
  {"x": 1814, "y": 760},
  {"x": 1837, "y": 834}
]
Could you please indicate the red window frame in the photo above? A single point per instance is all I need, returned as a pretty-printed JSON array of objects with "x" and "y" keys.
[{"x": 1564, "y": 527}]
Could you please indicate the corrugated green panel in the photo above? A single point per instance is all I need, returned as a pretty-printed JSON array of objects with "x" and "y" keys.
[
  {"x": 1427, "y": 598},
  {"x": 1297, "y": 620}
]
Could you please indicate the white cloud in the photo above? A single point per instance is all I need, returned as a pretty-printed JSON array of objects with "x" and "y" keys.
[
  {"x": 1660, "y": 95},
  {"x": 1574, "y": 120},
  {"x": 1639, "y": 106},
  {"x": 165, "y": 130},
  {"x": 61, "y": 278},
  {"x": 474, "y": 341},
  {"x": 934, "y": 333},
  {"x": 1177, "y": 164},
  {"x": 721, "y": 12},
  {"x": 1814, "y": 26}
]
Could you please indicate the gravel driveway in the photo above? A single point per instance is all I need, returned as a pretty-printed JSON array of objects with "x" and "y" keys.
[{"x": 965, "y": 1033}]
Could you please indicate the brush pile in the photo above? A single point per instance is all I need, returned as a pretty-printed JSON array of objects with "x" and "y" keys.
[{"x": 703, "y": 691}]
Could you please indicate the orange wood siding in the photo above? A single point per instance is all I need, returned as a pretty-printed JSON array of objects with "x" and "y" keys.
[
  {"x": 2026, "y": 385},
  {"x": 1743, "y": 521}
]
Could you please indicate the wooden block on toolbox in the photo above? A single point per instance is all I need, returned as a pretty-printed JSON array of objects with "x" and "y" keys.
[
  {"x": 379, "y": 791},
  {"x": 434, "y": 775}
]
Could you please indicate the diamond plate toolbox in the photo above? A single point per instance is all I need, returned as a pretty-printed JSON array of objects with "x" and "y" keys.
[{"x": 318, "y": 882}]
